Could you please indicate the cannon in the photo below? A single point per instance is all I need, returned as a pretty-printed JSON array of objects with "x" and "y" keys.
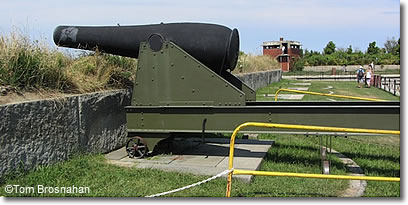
[
  {"x": 184, "y": 86},
  {"x": 215, "y": 46}
]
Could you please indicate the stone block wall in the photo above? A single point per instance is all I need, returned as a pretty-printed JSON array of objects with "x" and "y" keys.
[
  {"x": 262, "y": 79},
  {"x": 46, "y": 131}
]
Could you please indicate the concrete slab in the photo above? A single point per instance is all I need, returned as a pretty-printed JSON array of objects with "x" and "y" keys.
[
  {"x": 300, "y": 88},
  {"x": 290, "y": 97},
  {"x": 301, "y": 84},
  {"x": 286, "y": 96},
  {"x": 192, "y": 156},
  {"x": 198, "y": 160},
  {"x": 117, "y": 154}
]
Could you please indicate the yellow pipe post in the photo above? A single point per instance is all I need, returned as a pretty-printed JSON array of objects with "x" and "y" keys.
[
  {"x": 323, "y": 94},
  {"x": 289, "y": 126}
]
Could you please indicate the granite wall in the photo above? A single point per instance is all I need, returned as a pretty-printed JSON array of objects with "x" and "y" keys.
[
  {"x": 262, "y": 79},
  {"x": 46, "y": 131}
]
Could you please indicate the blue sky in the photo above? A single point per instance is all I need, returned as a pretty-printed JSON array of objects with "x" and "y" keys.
[{"x": 312, "y": 22}]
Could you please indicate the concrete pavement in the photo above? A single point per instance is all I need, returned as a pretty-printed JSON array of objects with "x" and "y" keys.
[{"x": 192, "y": 156}]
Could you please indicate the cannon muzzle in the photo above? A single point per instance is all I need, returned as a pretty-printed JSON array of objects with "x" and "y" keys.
[{"x": 215, "y": 46}]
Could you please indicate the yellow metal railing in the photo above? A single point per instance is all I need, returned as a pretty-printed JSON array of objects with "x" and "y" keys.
[
  {"x": 287, "y": 174},
  {"x": 323, "y": 94}
]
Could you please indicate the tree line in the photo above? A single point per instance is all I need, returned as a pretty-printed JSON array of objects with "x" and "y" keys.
[{"x": 388, "y": 55}]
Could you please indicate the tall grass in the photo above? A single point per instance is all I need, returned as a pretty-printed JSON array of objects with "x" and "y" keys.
[
  {"x": 27, "y": 65},
  {"x": 31, "y": 64},
  {"x": 253, "y": 63}
]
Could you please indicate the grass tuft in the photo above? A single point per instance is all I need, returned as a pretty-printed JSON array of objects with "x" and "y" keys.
[
  {"x": 31, "y": 65},
  {"x": 248, "y": 63}
]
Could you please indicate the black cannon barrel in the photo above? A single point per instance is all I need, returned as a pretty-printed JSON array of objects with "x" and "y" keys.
[{"x": 214, "y": 45}]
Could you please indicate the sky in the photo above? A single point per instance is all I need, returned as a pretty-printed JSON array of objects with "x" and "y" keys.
[{"x": 312, "y": 22}]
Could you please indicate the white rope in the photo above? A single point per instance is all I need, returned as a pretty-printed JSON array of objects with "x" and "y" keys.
[{"x": 193, "y": 185}]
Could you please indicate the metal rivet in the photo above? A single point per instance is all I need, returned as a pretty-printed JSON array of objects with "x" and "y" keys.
[
  {"x": 212, "y": 75},
  {"x": 182, "y": 77},
  {"x": 185, "y": 56},
  {"x": 172, "y": 64},
  {"x": 226, "y": 85},
  {"x": 240, "y": 95},
  {"x": 152, "y": 80},
  {"x": 153, "y": 67},
  {"x": 154, "y": 54},
  {"x": 137, "y": 83},
  {"x": 193, "y": 90}
]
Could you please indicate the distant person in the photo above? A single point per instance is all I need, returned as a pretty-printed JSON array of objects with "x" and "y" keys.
[
  {"x": 368, "y": 75},
  {"x": 360, "y": 76},
  {"x": 344, "y": 68},
  {"x": 372, "y": 66}
]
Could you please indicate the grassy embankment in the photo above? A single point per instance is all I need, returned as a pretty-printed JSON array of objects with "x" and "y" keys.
[
  {"x": 27, "y": 65},
  {"x": 248, "y": 63},
  {"x": 32, "y": 65}
]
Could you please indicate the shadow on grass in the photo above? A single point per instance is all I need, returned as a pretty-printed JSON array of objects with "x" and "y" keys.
[
  {"x": 354, "y": 155},
  {"x": 278, "y": 157},
  {"x": 281, "y": 155},
  {"x": 290, "y": 194}
]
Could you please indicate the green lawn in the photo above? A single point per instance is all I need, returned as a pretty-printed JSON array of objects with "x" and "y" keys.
[
  {"x": 378, "y": 156},
  {"x": 288, "y": 154},
  {"x": 348, "y": 88}
]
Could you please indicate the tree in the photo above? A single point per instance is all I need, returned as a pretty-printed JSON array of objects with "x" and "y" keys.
[
  {"x": 391, "y": 46},
  {"x": 330, "y": 48},
  {"x": 349, "y": 50},
  {"x": 398, "y": 47},
  {"x": 307, "y": 53},
  {"x": 372, "y": 48}
]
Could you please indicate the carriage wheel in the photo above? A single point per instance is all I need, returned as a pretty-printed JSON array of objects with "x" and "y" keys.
[{"x": 136, "y": 147}]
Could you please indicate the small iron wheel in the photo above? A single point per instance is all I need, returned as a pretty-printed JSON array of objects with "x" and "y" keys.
[{"x": 136, "y": 147}]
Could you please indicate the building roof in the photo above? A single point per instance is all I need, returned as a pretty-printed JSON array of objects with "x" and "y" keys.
[{"x": 271, "y": 43}]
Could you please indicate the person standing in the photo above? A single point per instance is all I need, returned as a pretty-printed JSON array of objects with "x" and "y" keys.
[
  {"x": 344, "y": 68},
  {"x": 360, "y": 76},
  {"x": 372, "y": 66},
  {"x": 368, "y": 75}
]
